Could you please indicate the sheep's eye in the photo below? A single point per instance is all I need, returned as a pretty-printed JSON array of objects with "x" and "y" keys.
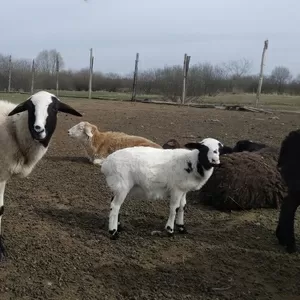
[{"x": 216, "y": 151}]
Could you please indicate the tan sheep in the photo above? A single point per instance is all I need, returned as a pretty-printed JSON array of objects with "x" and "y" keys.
[{"x": 98, "y": 145}]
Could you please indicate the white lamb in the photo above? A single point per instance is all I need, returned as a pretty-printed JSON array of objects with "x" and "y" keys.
[
  {"x": 158, "y": 173},
  {"x": 25, "y": 132}
]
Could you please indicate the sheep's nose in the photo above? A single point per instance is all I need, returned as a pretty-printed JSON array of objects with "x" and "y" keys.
[{"x": 38, "y": 128}]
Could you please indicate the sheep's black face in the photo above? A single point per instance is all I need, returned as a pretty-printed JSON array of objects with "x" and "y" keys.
[
  {"x": 42, "y": 110},
  {"x": 209, "y": 154},
  {"x": 225, "y": 150},
  {"x": 42, "y": 121},
  {"x": 247, "y": 145},
  {"x": 203, "y": 159}
]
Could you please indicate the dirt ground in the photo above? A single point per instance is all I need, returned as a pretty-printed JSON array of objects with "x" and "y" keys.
[{"x": 55, "y": 222}]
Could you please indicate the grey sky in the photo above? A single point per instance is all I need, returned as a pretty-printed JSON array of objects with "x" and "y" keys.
[{"x": 160, "y": 30}]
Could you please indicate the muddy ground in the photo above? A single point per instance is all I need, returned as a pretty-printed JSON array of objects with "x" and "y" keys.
[{"x": 55, "y": 222}]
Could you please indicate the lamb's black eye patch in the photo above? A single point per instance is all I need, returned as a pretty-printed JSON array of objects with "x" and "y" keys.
[{"x": 216, "y": 151}]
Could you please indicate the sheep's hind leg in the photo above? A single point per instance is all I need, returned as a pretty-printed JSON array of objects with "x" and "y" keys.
[
  {"x": 2, "y": 249},
  {"x": 120, "y": 227},
  {"x": 285, "y": 229},
  {"x": 180, "y": 215},
  {"x": 114, "y": 218},
  {"x": 281, "y": 223},
  {"x": 174, "y": 207}
]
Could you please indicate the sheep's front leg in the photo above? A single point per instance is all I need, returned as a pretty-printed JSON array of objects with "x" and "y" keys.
[
  {"x": 114, "y": 214},
  {"x": 174, "y": 207},
  {"x": 180, "y": 215},
  {"x": 2, "y": 189}
]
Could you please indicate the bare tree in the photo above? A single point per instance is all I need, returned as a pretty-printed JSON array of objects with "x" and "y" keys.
[
  {"x": 297, "y": 79},
  {"x": 205, "y": 79},
  {"x": 238, "y": 68},
  {"x": 46, "y": 61},
  {"x": 147, "y": 81},
  {"x": 281, "y": 76}
]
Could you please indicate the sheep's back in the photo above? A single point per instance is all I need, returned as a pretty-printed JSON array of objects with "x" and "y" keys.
[
  {"x": 289, "y": 160},
  {"x": 117, "y": 140},
  {"x": 244, "y": 180}
]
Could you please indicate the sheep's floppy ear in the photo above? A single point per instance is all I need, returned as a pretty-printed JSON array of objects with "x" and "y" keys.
[
  {"x": 20, "y": 108},
  {"x": 89, "y": 130},
  {"x": 63, "y": 107},
  {"x": 192, "y": 146}
]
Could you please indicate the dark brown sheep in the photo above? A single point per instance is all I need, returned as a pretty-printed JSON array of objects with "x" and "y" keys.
[{"x": 243, "y": 181}]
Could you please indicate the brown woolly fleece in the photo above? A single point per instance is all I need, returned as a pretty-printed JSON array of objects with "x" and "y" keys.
[{"x": 101, "y": 144}]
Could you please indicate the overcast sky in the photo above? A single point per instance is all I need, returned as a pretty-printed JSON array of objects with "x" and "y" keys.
[{"x": 160, "y": 30}]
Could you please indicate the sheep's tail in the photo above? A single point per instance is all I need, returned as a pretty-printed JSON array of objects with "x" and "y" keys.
[{"x": 171, "y": 144}]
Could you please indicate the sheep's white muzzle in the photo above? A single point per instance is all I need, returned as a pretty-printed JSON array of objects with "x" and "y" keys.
[
  {"x": 39, "y": 132},
  {"x": 215, "y": 162}
]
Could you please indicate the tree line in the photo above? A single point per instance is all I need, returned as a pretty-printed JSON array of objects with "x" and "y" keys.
[{"x": 203, "y": 78}]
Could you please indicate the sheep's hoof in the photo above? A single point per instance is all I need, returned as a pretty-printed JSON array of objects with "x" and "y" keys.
[
  {"x": 114, "y": 234},
  {"x": 291, "y": 248},
  {"x": 280, "y": 238},
  {"x": 2, "y": 249},
  {"x": 281, "y": 241},
  {"x": 181, "y": 229},
  {"x": 120, "y": 228},
  {"x": 170, "y": 231}
]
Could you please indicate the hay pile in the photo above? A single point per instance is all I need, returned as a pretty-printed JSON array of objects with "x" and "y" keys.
[{"x": 244, "y": 180}]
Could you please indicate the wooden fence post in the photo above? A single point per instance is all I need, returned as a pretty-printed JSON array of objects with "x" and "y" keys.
[
  {"x": 32, "y": 77},
  {"x": 135, "y": 77},
  {"x": 91, "y": 73},
  {"x": 9, "y": 73},
  {"x": 260, "y": 80},
  {"x": 57, "y": 75},
  {"x": 186, "y": 64}
]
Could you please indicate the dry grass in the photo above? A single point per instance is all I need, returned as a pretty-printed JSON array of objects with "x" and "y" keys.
[{"x": 271, "y": 101}]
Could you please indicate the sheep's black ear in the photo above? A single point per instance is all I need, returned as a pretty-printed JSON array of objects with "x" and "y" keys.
[
  {"x": 63, "y": 107},
  {"x": 192, "y": 146},
  {"x": 20, "y": 108}
]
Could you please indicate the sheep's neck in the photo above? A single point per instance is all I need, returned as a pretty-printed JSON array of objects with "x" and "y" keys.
[
  {"x": 97, "y": 140},
  {"x": 28, "y": 147}
]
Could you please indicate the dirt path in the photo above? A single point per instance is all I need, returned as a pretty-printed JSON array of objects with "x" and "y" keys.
[{"x": 55, "y": 223}]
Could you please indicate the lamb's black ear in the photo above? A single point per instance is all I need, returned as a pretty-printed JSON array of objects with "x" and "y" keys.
[
  {"x": 20, "y": 108},
  {"x": 63, "y": 107},
  {"x": 192, "y": 146}
]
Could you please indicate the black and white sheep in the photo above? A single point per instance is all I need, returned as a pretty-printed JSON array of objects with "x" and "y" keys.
[
  {"x": 289, "y": 168},
  {"x": 158, "y": 173},
  {"x": 25, "y": 132}
]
